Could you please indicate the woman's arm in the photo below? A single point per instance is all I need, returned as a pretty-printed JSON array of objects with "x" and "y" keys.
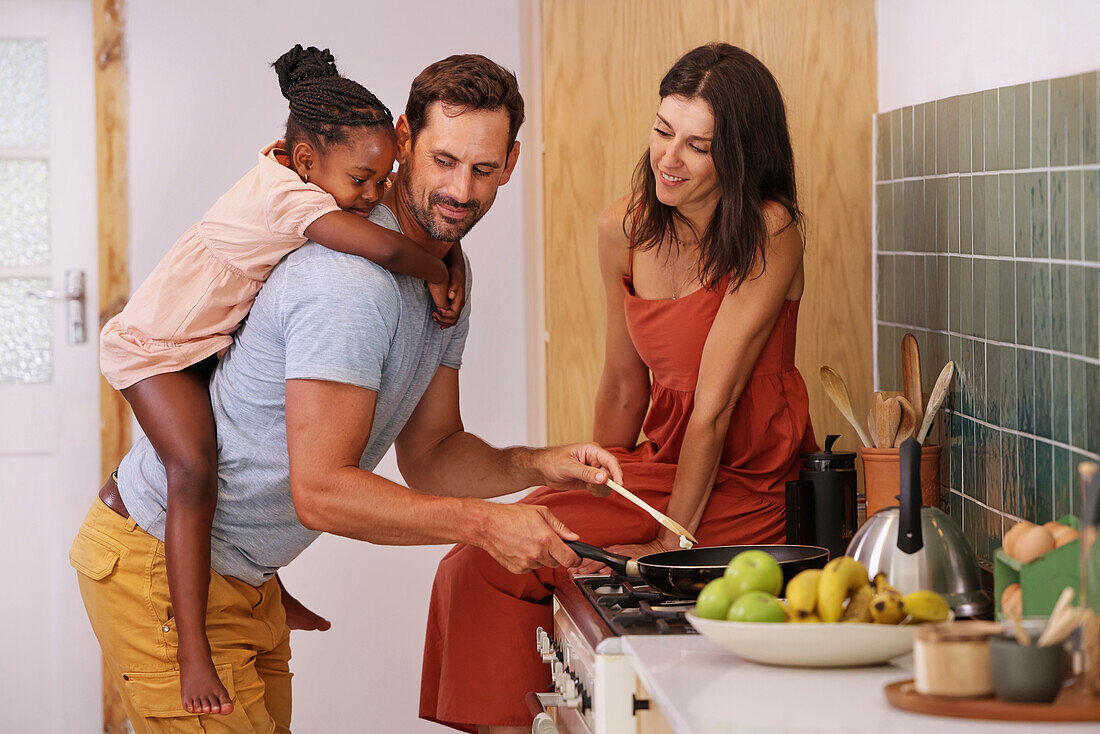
[
  {"x": 741, "y": 329},
  {"x": 623, "y": 395},
  {"x": 350, "y": 233}
]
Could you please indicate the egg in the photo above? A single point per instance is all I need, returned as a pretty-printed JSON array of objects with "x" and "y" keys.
[
  {"x": 1064, "y": 534},
  {"x": 1009, "y": 541},
  {"x": 1032, "y": 543},
  {"x": 1012, "y": 601}
]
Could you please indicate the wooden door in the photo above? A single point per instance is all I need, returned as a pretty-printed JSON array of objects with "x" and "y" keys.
[{"x": 601, "y": 66}]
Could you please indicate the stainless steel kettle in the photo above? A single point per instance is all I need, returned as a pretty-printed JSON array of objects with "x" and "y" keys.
[{"x": 921, "y": 547}]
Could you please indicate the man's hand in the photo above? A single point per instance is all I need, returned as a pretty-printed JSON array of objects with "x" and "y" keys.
[
  {"x": 578, "y": 466},
  {"x": 523, "y": 538}
]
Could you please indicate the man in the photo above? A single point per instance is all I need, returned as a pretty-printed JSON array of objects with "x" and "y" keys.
[{"x": 338, "y": 360}]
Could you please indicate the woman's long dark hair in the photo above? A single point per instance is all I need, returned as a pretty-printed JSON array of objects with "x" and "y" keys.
[{"x": 751, "y": 148}]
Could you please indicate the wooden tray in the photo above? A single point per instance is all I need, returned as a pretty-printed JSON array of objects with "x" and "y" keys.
[{"x": 1073, "y": 704}]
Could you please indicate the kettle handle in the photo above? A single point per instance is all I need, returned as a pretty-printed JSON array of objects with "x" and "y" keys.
[{"x": 909, "y": 502}]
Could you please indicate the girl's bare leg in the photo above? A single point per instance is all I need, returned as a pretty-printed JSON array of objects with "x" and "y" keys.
[{"x": 174, "y": 411}]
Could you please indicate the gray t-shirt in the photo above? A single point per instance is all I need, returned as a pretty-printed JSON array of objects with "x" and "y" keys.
[{"x": 322, "y": 315}]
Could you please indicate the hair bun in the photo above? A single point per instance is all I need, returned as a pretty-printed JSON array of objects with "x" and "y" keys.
[{"x": 299, "y": 64}]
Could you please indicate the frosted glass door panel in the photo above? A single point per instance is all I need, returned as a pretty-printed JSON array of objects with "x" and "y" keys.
[
  {"x": 26, "y": 331},
  {"x": 24, "y": 122},
  {"x": 24, "y": 213}
]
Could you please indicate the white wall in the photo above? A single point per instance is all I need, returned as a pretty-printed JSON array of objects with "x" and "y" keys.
[
  {"x": 933, "y": 49},
  {"x": 203, "y": 102}
]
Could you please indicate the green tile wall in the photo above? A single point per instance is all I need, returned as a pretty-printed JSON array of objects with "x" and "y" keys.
[{"x": 987, "y": 249}]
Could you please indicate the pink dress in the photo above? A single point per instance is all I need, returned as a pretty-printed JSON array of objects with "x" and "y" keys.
[{"x": 197, "y": 296}]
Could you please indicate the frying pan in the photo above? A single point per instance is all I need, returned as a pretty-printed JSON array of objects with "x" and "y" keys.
[{"x": 683, "y": 573}]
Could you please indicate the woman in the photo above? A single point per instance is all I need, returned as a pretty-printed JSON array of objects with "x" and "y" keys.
[{"x": 702, "y": 264}]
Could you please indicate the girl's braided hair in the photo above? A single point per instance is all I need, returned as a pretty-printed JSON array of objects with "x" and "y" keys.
[{"x": 323, "y": 104}]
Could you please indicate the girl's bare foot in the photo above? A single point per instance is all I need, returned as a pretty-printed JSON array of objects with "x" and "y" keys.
[
  {"x": 300, "y": 618},
  {"x": 202, "y": 691}
]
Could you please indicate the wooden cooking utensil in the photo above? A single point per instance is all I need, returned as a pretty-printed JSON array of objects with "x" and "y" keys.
[
  {"x": 838, "y": 393},
  {"x": 907, "y": 423},
  {"x": 657, "y": 515},
  {"x": 910, "y": 375},
  {"x": 1058, "y": 617},
  {"x": 887, "y": 415},
  {"x": 935, "y": 401},
  {"x": 1017, "y": 623}
]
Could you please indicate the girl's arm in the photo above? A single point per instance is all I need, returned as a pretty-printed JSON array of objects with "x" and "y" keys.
[
  {"x": 450, "y": 297},
  {"x": 741, "y": 329},
  {"x": 623, "y": 396},
  {"x": 350, "y": 233}
]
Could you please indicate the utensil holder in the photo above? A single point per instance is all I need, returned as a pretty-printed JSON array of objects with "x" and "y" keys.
[{"x": 881, "y": 477}]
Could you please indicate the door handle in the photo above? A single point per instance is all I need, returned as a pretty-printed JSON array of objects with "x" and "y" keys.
[{"x": 74, "y": 295}]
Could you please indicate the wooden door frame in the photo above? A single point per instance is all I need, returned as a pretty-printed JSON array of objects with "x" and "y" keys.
[{"x": 113, "y": 216}]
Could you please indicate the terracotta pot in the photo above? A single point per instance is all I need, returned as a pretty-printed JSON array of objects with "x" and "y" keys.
[{"x": 882, "y": 478}]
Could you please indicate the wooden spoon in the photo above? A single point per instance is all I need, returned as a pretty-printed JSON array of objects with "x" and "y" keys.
[
  {"x": 939, "y": 394},
  {"x": 838, "y": 393},
  {"x": 1055, "y": 622},
  {"x": 887, "y": 415},
  {"x": 907, "y": 424},
  {"x": 910, "y": 375},
  {"x": 656, "y": 514},
  {"x": 1018, "y": 630}
]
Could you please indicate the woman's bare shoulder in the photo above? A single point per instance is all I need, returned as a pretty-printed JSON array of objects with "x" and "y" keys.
[{"x": 614, "y": 244}]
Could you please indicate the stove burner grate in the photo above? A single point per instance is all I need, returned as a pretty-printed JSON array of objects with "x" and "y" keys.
[{"x": 635, "y": 609}]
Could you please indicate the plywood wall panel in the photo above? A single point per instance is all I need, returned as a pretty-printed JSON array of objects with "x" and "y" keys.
[{"x": 602, "y": 63}]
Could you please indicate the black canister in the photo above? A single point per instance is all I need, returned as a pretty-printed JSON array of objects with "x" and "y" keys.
[{"x": 832, "y": 475}]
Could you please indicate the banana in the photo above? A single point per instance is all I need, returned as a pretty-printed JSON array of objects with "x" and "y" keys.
[
  {"x": 859, "y": 606},
  {"x": 926, "y": 606},
  {"x": 802, "y": 590},
  {"x": 882, "y": 586},
  {"x": 887, "y": 608},
  {"x": 840, "y": 578},
  {"x": 805, "y": 617}
]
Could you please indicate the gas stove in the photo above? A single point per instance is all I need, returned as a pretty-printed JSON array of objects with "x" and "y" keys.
[{"x": 593, "y": 684}]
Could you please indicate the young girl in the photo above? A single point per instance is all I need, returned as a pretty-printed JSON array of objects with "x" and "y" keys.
[{"x": 319, "y": 184}]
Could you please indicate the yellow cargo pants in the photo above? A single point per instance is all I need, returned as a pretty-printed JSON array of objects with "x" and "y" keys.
[{"x": 123, "y": 581}]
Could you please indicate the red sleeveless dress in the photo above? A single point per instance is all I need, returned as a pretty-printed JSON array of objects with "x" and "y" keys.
[{"x": 479, "y": 651}]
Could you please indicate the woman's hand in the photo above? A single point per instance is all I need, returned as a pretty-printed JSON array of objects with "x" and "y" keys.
[{"x": 633, "y": 550}]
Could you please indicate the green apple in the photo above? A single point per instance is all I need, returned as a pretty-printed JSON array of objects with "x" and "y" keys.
[
  {"x": 756, "y": 606},
  {"x": 753, "y": 570},
  {"x": 713, "y": 601}
]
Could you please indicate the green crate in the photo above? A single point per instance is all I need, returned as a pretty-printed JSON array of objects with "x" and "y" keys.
[{"x": 1042, "y": 580}]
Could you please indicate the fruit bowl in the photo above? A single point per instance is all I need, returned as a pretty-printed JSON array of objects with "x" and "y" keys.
[{"x": 809, "y": 645}]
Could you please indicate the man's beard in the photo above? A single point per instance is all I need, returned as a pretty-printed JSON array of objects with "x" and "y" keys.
[{"x": 432, "y": 222}]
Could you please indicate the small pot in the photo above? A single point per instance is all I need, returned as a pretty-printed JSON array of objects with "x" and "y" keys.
[
  {"x": 1026, "y": 673},
  {"x": 952, "y": 659}
]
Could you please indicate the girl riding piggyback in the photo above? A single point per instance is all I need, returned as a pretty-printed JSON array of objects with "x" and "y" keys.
[{"x": 318, "y": 184}]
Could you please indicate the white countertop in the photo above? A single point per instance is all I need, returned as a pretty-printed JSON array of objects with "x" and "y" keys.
[{"x": 701, "y": 688}]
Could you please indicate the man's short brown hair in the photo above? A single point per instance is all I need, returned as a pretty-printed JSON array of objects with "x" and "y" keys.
[{"x": 466, "y": 82}]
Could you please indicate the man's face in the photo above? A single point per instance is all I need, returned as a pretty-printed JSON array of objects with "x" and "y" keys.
[{"x": 451, "y": 174}]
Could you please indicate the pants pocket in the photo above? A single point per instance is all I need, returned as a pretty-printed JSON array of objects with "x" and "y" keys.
[
  {"x": 94, "y": 554},
  {"x": 157, "y": 697}
]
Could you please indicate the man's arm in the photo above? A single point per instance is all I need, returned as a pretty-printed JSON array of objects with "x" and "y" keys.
[
  {"x": 328, "y": 425},
  {"x": 436, "y": 455}
]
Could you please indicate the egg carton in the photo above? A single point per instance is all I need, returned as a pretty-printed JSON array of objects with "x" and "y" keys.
[{"x": 1041, "y": 580}]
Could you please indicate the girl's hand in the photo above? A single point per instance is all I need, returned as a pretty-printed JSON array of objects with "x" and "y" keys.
[
  {"x": 453, "y": 297},
  {"x": 633, "y": 550},
  {"x": 444, "y": 314}
]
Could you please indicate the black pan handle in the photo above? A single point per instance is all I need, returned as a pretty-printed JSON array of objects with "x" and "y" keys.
[{"x": 620, "y": 564}]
